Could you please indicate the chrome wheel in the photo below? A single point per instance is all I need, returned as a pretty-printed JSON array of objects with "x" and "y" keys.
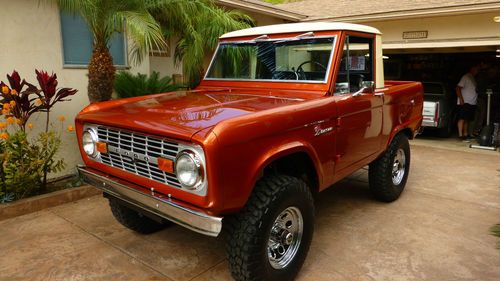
[
  {"x": 285, "y": 237},
  {"x": 399, "y": 167}
]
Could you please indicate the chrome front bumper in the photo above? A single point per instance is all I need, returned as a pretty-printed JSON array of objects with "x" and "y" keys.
[{"x": 175, "y": 211}]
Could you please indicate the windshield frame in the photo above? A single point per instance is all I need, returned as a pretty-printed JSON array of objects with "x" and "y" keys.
[{"x": 321, "y": 82}]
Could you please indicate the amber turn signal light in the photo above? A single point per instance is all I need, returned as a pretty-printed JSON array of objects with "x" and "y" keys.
[
  {"x": 166, "y": 165},
  {"x": 102, "y": 147}
]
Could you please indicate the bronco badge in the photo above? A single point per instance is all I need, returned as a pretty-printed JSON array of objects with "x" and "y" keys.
[{"x": 318, "y": 131}]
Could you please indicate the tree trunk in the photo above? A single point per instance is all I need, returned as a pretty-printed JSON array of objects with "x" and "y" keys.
[{"x": 101, "y": 75}]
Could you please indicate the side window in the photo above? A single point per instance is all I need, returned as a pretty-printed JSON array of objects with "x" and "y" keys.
[
  {"x": 78, "y": 41},
  {"x": 356, "y": 68}
]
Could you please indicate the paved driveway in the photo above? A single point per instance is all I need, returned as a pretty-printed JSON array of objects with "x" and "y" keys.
[{"x": 437, "y": 230}]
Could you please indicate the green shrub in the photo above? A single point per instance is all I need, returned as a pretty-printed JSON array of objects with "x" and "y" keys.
[
  {"x": 22, "y": 163},
  {"x": 130, "y": 85}
]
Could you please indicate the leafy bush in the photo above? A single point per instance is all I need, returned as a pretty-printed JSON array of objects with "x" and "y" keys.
[
  {"x": 24, "y": 164},
  {"x": 130, "y": 85}
]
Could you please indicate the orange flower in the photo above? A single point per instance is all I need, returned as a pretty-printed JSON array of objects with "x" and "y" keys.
[
  {"x": 6, "y": 106},
  {"x": 13, "y": 92},
  {"x": 5, "y": 111},
  {"x": 5, "y": 90},
  {"x": 11, "y": 120},
  {"x": 38, "y": 102},
  {"x": 71, "y": 128},
  {"x": 30, "y": 125},
  {"x": 61, "y": 118},
  {"x": 3, "y": 125},
  {"x": 4, "y": 136},
  {"x": 19, "y": 121},
  {"x": 12, "y": 103}
]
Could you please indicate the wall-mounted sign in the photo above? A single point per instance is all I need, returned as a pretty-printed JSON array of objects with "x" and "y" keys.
[{"x": 415, "y": 34}]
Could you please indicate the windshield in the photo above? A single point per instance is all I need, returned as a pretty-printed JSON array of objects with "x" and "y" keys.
[{"x": 293, "y": 60}]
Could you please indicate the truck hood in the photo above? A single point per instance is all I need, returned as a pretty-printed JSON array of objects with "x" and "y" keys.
[{"x": 179, "y": 114}]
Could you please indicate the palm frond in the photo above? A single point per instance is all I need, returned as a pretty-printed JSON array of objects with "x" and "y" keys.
[
  {"x": 129, "y": 85},
  {"x": 74, "y": 6},
  {"x": 143, "y": 30},
  {"x": 198, "y": 24}
]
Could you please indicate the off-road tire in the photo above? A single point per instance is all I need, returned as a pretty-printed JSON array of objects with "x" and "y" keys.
[
  {"x": 133, "y": 219},
  {"x": 380, "y": 173},
  {"x": 248, "y": 231}
]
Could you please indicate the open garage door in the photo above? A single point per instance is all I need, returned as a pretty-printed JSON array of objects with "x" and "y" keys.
[{"x": 445, "y": 66}]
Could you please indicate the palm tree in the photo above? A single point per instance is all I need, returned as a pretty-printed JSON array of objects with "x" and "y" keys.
[
  {"x": 104, "y": 18},
  {"x": 198, "y": 24},
  {"x": 147, "y": 23}
]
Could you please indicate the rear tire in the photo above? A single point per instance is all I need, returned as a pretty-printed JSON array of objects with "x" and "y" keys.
[
  {"x": 132, "y": 219},
  {"x": 270, "y": 237},
  {"x": 389, "y": 173}
]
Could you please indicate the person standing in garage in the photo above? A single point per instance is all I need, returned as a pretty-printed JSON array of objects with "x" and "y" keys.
[{"x": 466, "y": 101}]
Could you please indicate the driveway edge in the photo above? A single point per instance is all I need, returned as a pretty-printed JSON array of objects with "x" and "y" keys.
[{"x": 40, "y": 202}]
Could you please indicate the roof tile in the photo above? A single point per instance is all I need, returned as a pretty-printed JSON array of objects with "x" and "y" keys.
[{"x": 344, "y": 8}]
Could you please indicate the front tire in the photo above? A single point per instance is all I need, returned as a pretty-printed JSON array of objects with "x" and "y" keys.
[
  {"x": 270, "y": 237},
  {"x": 389, "y": 173},
  {"x": 132, "y": 219}
]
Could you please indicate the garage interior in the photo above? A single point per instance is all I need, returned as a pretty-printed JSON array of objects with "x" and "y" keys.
[{"x": 446, "y": 66}]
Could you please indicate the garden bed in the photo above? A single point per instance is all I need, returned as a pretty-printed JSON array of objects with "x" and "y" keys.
[{"x": 40, "y": 202}]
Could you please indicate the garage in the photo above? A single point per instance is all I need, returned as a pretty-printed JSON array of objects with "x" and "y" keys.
[{"x": 440, "y": 69}]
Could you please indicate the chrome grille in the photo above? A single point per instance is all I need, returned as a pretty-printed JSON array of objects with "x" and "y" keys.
[{"x": 124, "y": 148}]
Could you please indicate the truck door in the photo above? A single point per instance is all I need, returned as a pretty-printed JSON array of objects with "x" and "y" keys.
[{"x": 359, "y": 107}]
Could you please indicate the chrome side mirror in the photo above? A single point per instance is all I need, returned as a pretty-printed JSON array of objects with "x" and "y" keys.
[{"x": 366, "y": 87}]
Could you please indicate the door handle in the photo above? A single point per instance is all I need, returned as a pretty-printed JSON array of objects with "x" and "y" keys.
[{"x": 379, "y": 94}]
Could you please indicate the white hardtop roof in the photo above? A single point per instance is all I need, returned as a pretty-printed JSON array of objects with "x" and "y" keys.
[{"x": 300, "y": 27}]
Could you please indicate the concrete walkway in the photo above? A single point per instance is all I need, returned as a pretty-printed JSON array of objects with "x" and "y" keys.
[{"x": 437, "y": 230}]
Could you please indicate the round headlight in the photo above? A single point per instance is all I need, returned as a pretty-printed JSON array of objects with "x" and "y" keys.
[
  {"x": 188, "y": 169},
  {"x": 89, "y": 140}
]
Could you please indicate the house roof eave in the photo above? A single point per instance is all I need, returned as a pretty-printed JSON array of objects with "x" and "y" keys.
[{"x": 262, "y": 8}]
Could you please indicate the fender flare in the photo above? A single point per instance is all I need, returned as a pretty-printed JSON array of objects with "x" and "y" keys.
[
  {"x": 285, "y": 150},
  {"x": 410, "y": 125}
]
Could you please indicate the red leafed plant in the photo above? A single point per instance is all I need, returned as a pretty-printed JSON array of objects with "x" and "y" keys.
[
  {"x": 22, "y": 99},
  {"x": 49, "y": 93}
]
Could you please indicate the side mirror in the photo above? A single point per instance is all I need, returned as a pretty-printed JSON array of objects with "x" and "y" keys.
[
  {"x": 367, "y": 87},
  {"x": 370, "y": 85}
]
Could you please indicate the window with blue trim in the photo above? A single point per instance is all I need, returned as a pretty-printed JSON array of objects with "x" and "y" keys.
[{"x": 77, "y": 42}]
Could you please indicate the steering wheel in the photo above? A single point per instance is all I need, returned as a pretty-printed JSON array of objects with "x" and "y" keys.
[{"x": 301, "y": 75}]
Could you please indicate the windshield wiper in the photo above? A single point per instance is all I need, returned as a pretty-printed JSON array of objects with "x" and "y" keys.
[
  {"x": 263, "y": 37},
  {"x": 296, "y": 38}
]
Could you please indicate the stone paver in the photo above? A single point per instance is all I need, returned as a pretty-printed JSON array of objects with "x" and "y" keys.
[{"x": 437, "y": 230}]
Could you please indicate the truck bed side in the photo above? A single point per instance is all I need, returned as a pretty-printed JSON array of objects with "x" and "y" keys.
[{"x": 403, "y": 104}]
